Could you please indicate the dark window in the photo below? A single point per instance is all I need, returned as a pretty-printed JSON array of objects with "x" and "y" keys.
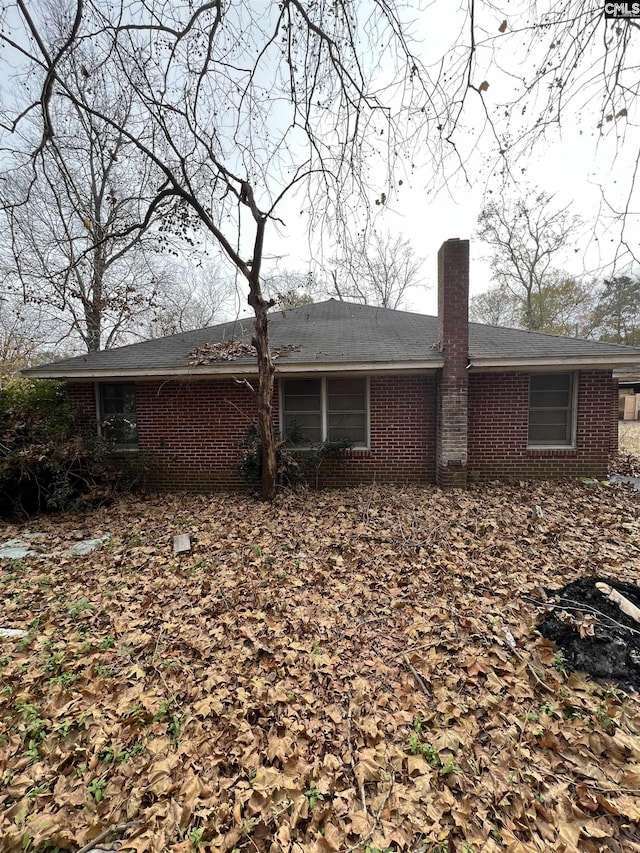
[
  {"x": 302, "y": 409},
  {"x": 347, "y": 410},
  {"x": 317, "y": 410},
  {"x": 118, "y": 413},
  {"x": 551, "y": 409}
]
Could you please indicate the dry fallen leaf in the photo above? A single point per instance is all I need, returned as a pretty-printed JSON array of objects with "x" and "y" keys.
[{"x": 266, "y": 692}]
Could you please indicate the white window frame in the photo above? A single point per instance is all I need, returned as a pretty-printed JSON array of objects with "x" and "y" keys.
[
  {"x": 324, "y": 408},
  {"x": 573, "y": 396}
]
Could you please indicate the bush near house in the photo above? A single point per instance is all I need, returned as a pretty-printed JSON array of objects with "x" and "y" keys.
[{"x": 45, "y": 463}]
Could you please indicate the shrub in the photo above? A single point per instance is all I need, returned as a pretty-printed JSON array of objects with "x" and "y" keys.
[
  {"x": 294, "y": 467},
  {"x": 45, "y": 464},
  {"x": 289, "y": 472}
]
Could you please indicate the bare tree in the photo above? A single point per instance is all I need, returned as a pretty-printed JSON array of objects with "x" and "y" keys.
[
  {"x": 19, "y": 339},
  {"x": 527, "y": 238},
  {"x": 525, "y": 75},
  {"x": 74, "y": 249},
  {"x": 241, "y": 107},
  {"x": 376, "y": 269},
  {"x": 189, "y": 296},
  {"x": 497, "y": 306},
  {"x": 291, "y": 289},
  {"x": 565, "y": 307}
]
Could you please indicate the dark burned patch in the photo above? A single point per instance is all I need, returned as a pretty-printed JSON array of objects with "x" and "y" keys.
[{"x": 592, "y": 631}]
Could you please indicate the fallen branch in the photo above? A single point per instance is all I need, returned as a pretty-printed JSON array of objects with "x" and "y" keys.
[
  {"x": 421, "y": 682},
  {"x": 376, "y": 820},
  {"x": 102, "y": 835},
  {"x": 622, "y": 601},
  {"x": 353, "y": 767}
]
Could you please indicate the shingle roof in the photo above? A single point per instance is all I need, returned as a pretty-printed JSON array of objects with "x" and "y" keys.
[{"x": 335, "y": 335}]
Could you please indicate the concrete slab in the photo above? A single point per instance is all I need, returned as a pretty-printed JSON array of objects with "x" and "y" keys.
[
  {"x": 12, "y": 633},
  {"x": 88, "y": 545},
  {"x": 181, "y": 543},
  {"x": 618, "y": 478}
]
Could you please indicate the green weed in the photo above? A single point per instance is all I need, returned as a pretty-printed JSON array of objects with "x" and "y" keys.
[
  {"x": 415, "y": 746},
  {"x": 65, "y": 679},
  {"x": 195, "y": 837},
  {"x": 75, "y": 608},
  {"x": 96, "y": 788},
  {"x": 37, "y": 790},
  {"x": 312, "y": 794}
]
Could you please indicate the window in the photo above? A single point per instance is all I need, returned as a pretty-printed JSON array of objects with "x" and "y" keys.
[
  {"x": 118, "y": 420},
  {"x": 317, "y": 410},
  {"x": 551, "y": 409}
]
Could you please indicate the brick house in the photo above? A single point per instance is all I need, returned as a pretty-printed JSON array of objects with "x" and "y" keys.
[{"x": 422, "y": 399}]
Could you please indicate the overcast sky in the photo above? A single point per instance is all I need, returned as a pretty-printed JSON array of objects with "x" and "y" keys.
[{"x": 582, "y": 165}]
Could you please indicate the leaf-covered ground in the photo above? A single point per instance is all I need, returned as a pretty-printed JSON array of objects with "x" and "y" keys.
[{"x": 334, "y": 672}]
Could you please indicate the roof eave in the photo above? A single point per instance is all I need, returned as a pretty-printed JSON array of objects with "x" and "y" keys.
[
  {"x": 229, "y": 370},
  {"x": 597, "y": 362}
]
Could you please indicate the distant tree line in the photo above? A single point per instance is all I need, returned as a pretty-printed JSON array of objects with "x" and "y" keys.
[{"x": 527, "y": 238}]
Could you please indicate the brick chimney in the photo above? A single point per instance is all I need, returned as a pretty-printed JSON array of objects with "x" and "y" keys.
[{"x": 453, "y": 329}]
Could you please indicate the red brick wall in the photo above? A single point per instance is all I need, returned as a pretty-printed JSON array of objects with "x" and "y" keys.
[
  {"x": 498, "y": 427},
  {"x": 83, "y": 396},
  {"x": 402, "y": 435},
  {"x": 191, "y": 430}
]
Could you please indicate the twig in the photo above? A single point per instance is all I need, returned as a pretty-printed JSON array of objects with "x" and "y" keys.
[
  {"x": 537, "y": 677},
  {"x": 580, "y": 607},
  {"x": 421, "y": 682},
  {"x": 376, "y": 821},
  {"x": 157, "y": 646},
  {"x": 353, "y": 766},
  {"x": 102, "y": 835}
]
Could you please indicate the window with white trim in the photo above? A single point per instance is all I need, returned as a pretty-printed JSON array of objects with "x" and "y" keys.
[
  {"x": 118, "y": 418},
  {"x": 551, "y": 409},
  {"x": 317, "y": 410}
]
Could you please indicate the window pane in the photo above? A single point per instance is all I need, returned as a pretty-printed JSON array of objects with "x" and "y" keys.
[
  {"x": 302, "y": 406},
  {"x": 549, "y": 399},
  {"x": 352, "y": 426},
  {"x": 302, "y": 387},
  {"x": 347, "y": 410},
  {"x": 547, "y": 435},
  {"x": 548, "y": 416},
  {"x": 550, "y": 381},
  {"x": 303, "y": 429},
  {"x": 306, "y": 403},
  {"x": 551, "y": 409},
  {"x": 118, "y": 413}
]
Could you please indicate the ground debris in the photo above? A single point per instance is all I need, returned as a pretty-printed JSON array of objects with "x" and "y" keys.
[
  {"x": 625, "y": 465},
  {"x": 231, "y": 351}
]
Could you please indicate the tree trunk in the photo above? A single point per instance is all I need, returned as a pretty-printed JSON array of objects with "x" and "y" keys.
[
  {"x": 266, "y": 368},
  {"x": 266, "y": 372},
  {"x": 94, "y": 309}
]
